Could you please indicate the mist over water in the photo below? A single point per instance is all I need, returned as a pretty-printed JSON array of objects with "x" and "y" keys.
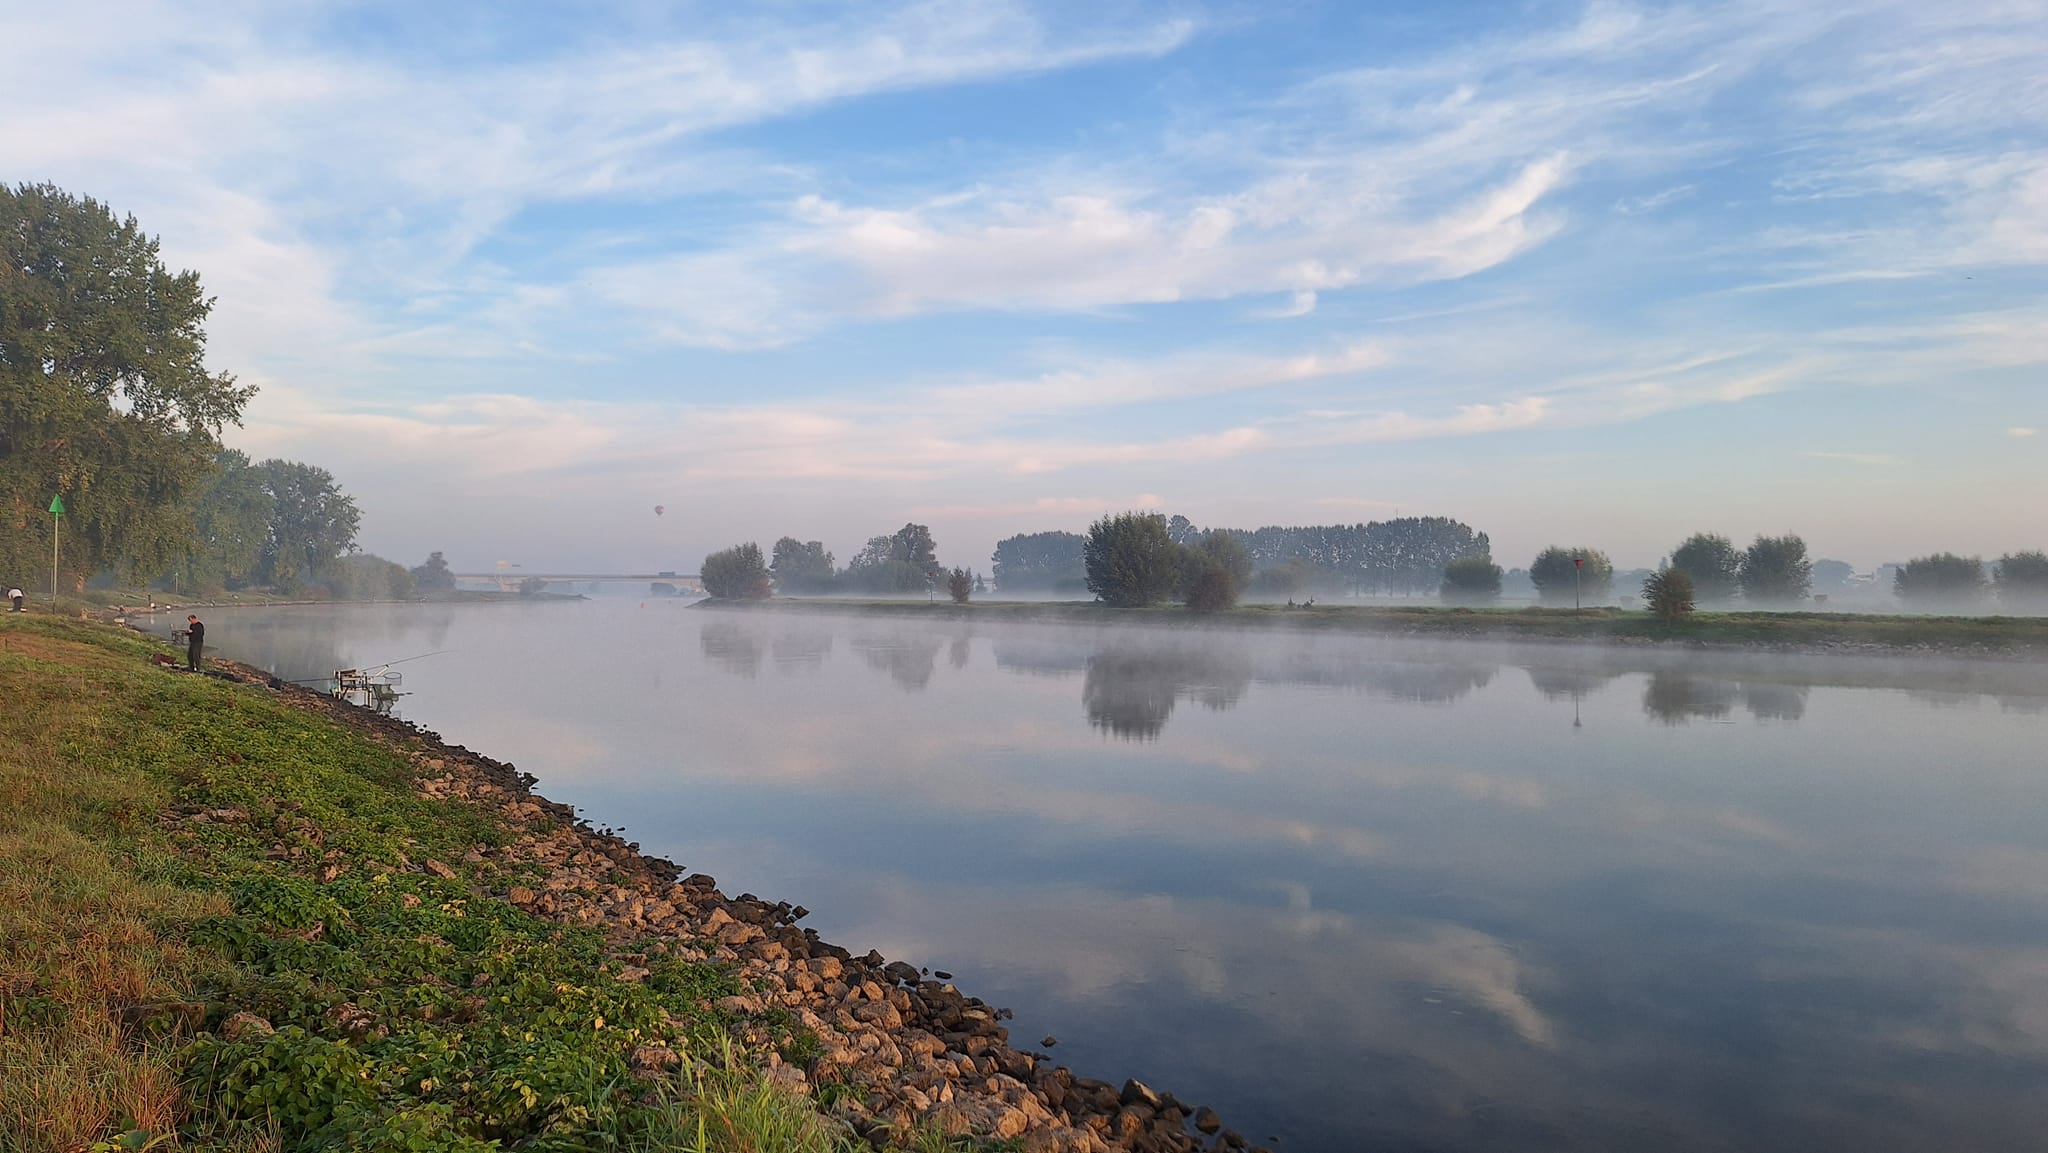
[{"x": 1354, "y": 893}]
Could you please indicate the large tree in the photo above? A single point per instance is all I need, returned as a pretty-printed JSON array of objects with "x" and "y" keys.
[
  {"x": 434, "y": 575},
  {"x": 1471, "y": 580},
  {"x": 1775, "y": 571},
  {"x": 2022, "y": 581},
  {"x": 736, "y": 573},
  {"x": 105, "y": 398},
  {"x": 1943, "y": 582},
  {"x": 1038, "y": 560},
  {"x": 312, "y": 524},
  {"x": 1131, "y": 560},
  {"x": 1713, "y": 564},
  {"x": 1572, "y": 575},
  {"x": 801, "y": 566},
  {"x": 231, "y": 523}
]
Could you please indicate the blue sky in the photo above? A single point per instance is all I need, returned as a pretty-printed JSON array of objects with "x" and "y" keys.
[{"x": 1597, "y": 273}]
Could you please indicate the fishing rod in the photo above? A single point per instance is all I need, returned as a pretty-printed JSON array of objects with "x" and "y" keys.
[{"x": 366, "y": 670}]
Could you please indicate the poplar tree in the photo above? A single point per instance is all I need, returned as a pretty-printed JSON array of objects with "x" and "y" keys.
[{"x": 105, "y": 397}]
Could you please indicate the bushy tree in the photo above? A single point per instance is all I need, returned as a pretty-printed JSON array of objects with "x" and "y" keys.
[
  {"x": 801, "y": 566},
  {"x": 1038, "y": 560},
  {"x": 2022, "y": 580},
  {"x": 1775, "y": 571},
  {"x": 736, "y": 573},
  {"x": 960, "y": 584},
  {"x": 231, "y": 522},
  {"x": 1831, "y": 576},
  {"x": 1713, "y": 564},
  {"x": 105, "y": 398},
  {"x": 1942, "y": 581},
  {"x": 913, "y": 544},
  {"x": 1668, "y": 593},
  {"x": 1556, "y": 569},
  {"x": 365, "y": 577},
  {"x": 1471, "y": 580},
  {"x": 901, "y": 562},
  {"x": 1130, "y": 559},
  {"x": 1214, "y": 570},
  {"x": 312, "y": 523},
  {"x": 434, "y": 575},
  {"x": 1182, "y": 531}
]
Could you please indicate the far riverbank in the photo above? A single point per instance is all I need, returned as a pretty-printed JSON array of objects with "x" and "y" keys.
[{"x": 1801, "y": 632}]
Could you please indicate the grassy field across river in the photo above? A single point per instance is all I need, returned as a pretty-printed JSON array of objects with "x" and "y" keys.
[{"x": 1956, "y": 635}]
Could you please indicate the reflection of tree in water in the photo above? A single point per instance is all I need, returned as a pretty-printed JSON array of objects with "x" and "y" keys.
[
  {"x": 1131, "y": 692},
  {"x": 1675, "y": 698},
  {"x": 961, "y": 650},
  {"x": 801, "y": 650},
  {"x": 729, "y": 646},
  {"x": 1773, "y": 702},
  {"x": 909, "y": 659},
  {"x": 1428, "y": 681},
  {"x": 1038, "y": 658},
  {"x": 1562, "y": 684}
]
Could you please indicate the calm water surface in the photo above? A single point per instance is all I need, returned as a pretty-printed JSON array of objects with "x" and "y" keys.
[{"x": 1355, "y": 894}]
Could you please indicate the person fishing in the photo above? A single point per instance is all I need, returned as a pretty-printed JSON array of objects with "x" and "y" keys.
[{"x": 195, "y": 640}]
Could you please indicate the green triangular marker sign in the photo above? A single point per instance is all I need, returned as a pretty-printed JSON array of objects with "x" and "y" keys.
[{"x": 56, "y": 506}]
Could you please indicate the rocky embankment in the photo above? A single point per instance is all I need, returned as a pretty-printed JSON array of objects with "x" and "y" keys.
[{"x": 898, "y": 1047}]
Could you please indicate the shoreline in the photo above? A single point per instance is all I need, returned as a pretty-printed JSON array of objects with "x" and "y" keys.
[
  {"x": 1795, "y": 633},
  {"x": 882, "y": 1049}
]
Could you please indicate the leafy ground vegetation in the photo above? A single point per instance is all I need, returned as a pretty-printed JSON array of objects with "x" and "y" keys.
[{"x": 225, "y": 924}]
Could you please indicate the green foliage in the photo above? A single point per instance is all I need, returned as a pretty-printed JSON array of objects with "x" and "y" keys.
[
  {"x": 960, "y": 585},
  {"x": 367, "y": 577},
  {"x": 898, "y": 563},
  {"x": 1831, "y": 576},
  {"x": 434, "y": 575},
  {"x": 913, "y": 544},
  {"x": 1038, "y": 560},
  {"x": 1562, "y": 575},
  {"x": 409, "y": 1011},
  {"x": 1215, "y": 568},
  {"x": 232, "y": 522},
  {"x": 1713, "y": 564},
  {"x": 1471, "y": 580},
  {"x": 1942, "y": 581},
  {"x": 736, "y": 573},
  {"x": 1775, "y": 571},
  {"x": 1669, "y": 593},
  {"x": 801, "y": 566},
  {"x": 105, "y": 398},
  {"x": 312, "y": 524},
  {"x": 1130, "y": 560},
  {"x": 2022, "y": 580}
]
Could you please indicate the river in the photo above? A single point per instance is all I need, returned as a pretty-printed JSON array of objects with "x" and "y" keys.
[{"x": 1353, "y": 893}]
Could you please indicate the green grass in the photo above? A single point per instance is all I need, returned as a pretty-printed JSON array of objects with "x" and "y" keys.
[
  {"x": 399, "y": 1010},
  {"x": 1787, "y": 630}
]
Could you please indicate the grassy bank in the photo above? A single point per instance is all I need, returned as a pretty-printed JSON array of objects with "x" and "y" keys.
[
  {"x": 232, "y": 922},
  {"x": 1770, "y": 630}
]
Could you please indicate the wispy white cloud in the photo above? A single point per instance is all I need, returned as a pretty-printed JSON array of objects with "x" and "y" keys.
[{"x": 2021, "y": 433}]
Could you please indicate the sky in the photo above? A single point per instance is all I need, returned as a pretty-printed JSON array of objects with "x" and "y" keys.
[{"x": 1599, "y": 274}]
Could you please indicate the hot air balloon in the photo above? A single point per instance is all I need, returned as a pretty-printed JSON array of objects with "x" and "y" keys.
[{"x": 659, "y": 509}]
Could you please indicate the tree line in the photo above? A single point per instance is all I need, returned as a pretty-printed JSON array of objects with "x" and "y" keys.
[
  {"x": 905, "y": 561},
  {"x": 1141, "y": 558},
  {"x": 106, "y": 403}
]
